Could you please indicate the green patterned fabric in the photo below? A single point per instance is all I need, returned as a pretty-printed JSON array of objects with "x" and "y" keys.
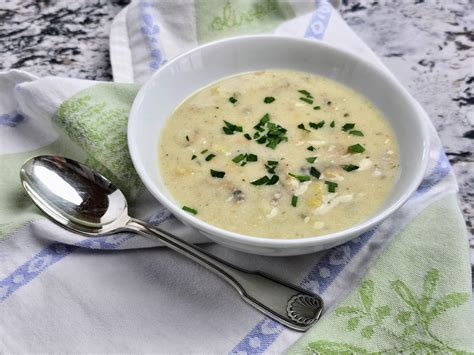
[
  {"x": 96, "y": 120},
  {"x": 416, "y": 297},
  {"x": 218, "y": 19},
  {"x": 93, "y": 129}
]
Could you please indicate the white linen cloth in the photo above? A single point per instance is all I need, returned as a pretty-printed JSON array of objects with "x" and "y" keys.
[{"x": 60, "y": 292}]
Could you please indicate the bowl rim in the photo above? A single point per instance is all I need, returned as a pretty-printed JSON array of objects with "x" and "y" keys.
[{"x": 220, "y": 233}]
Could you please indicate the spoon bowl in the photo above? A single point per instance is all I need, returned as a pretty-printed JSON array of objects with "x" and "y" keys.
[{"x": 62, "y": 189}]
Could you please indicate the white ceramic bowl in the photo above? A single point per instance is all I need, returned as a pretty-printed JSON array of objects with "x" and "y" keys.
[{"x": 179, "y": 78}]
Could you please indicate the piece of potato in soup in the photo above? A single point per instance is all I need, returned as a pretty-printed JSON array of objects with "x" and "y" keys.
[{"x": 278, "y": 154}]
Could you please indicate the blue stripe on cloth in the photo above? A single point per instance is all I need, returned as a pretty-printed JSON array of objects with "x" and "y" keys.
[
  {"x": 150, "y": 30},
  {"x": 319, "y": 20},
  {"x": 11, "y": 119},
  {"x": 440, "y": 171},
  {"x": 33, "y": 267},
  {"x": 262, "y": 336},
  {"x": 55, "y": 252}
]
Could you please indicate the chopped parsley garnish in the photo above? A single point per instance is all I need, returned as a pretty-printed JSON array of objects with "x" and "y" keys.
[
  {"x": 356, "y": 133},
  {"x": 247, "y": 157},
  {"x": 262, "y": 181},
  {"x": 252, "y": 157},
  {"x": 187, "y": 138},
  {"x": 305, "y": 93},
  {"x": 262, "y": 140},
  {"x": 246, "y": 135},
  {"x": 273, "y": 180},
  {"x": 317, "y": 108},
  {"x": 300, "y": 178},
  {"x": 348, "y": 127},
  {"x": 329, "y": 103},
  {"x": 317, "y": 125},
  {"x": 239, "y": 158},
  {"x": 263, "y": 121},
  {"x": 233, "y": 100},
  {"x": 217, "y": 174},
  {"x": 294, "y": 200},
  {"x": 314, "y": 172},
  {"x": 311, "y": 159},
  {"x": 356, "y": 148},
  {"x": 301, "y": 126},
  {"x": 265, "y": 180},
  {"x": 331, "y": 186},
  {"x": 274, "y": 135},
  {"x": 210, "y": 157},
  {"x": 269, "y": 99},
  {"x": 307, "y": 100},
  {"x": 311, "y": 148},
  {"x": 231, "y": 128},
  {"x": 346, "y": 115},
  {"x": 349, "y": 167},
  {"x": 204, "y": 151},
  {"x": 190, "y": 210},
  {"x": 271, "y": 166},
  {"x": 333, "y": 124},
  {"x": 193, "y": 157}
]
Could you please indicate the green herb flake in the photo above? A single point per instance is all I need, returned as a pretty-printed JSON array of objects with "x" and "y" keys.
[
  {"x": 252, "y": 157},
  {"x": 331, "y": 186},
  {"x": 305, "y": 93},
  {"x": 317, "y": 108},
  {"x": 301, "y": 126},
  {"x": 239, "y": 158},
  {"x": 190, "y": 210},
  {"x": 294, "y": 200},
  {"x": 262, "y": 140},
  {"x": 265, "y": 119},
  {"x": 262, "y": 181},
  {"x": 349, "y": 167},
  {"x": 333, "y": 124},
  {"x": 348, "y": 127},
  {"x": 231, "y": 128},
  {"x": 246, "y": 135},
  {"x": 217, "y": 174},
  {"x": 356, "y": 148},
  {"x": 317, "y": 125},
  {"x": 307, "y": 100},
  {"x": 187, "y": 138},
  {"x": 233, "y": 100},
  {"x": 271, "y": 166},
  {"x": 274, "y": 135},
  {"x": 329, "y": 103},
  {"x": 311, "y": 160},
  {"x": 356, "y": 133},
  {"x": 193, "y": 157},
  {"x": 273, "y": 180},
  {"x": 204, "y": 151},
  {"x": 346, "y": 115},
  {"x": 269, "y": 99},
  {"x": 244, "y": 163},
  {"x": 311, "y": 148},
  {"x": 210, "y": 157},
  {"x": 314, "y": 172},
  {"x": 300, "y": 178}
]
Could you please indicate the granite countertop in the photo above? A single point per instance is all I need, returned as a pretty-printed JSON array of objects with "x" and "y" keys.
[{"x": 428, "y": 45}]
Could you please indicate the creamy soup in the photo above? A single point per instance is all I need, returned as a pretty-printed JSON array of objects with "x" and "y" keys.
[{"x": 278, "y": 154}]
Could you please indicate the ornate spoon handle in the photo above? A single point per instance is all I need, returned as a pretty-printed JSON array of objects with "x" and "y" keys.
[{"x": 286, "y": 303}]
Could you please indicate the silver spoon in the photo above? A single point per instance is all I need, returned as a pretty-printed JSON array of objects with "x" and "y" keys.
[{"x": 84, "y": 201}]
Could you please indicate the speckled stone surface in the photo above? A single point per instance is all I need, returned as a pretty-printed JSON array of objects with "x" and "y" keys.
[{"x": 427, "y": 44}]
